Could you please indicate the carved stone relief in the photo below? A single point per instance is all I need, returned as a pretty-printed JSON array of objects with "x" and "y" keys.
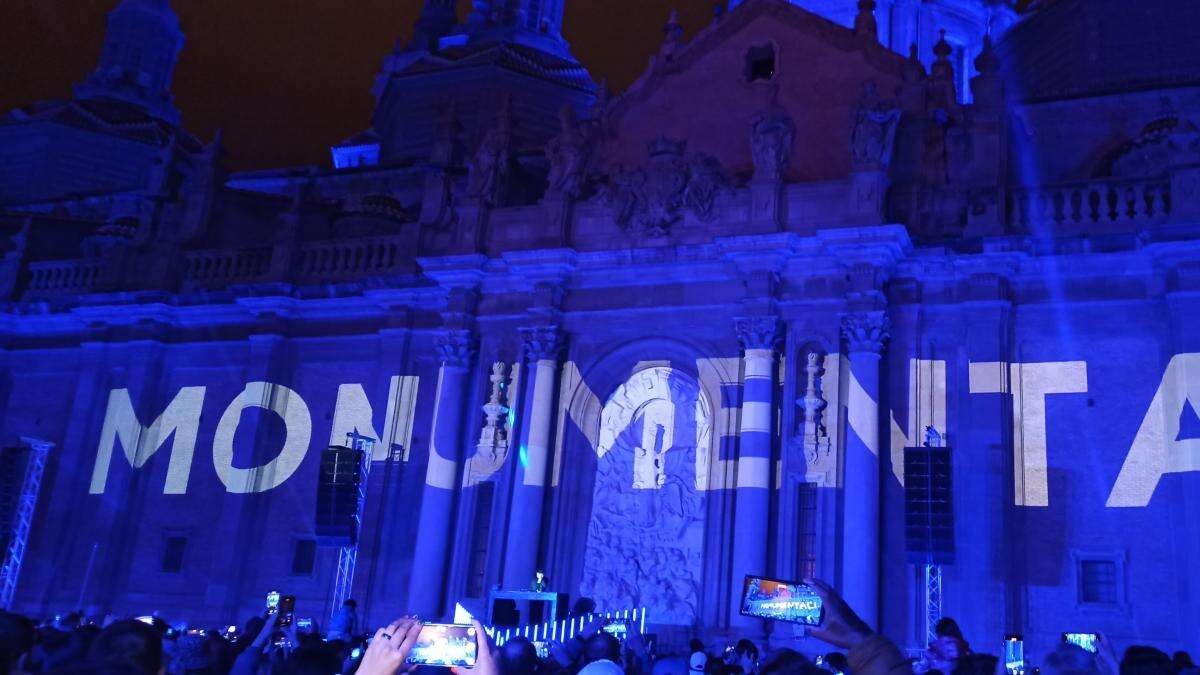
[
  {"x": 649, "y": 199},
  {"x": 645, "y": 539}
]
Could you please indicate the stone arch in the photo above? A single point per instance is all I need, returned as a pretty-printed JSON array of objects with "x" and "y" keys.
[
  {"x": 587, "y": 384},
  {"x": 646, "y": 527}
]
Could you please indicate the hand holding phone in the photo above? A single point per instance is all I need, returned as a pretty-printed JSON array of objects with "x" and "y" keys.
[
  {"x": 287, "y": 610},
  {"x": 1014, "y": 654},
  {"x": 445, "y": 644},
  {"x": 385, "y": 655},
  {"x": 781, "y": 601},
  {"x": 1086, "y": 641},
  {"x": 840, "y": 626}
]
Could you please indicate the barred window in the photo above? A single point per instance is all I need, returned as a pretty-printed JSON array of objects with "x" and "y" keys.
[
  {"x": 1098, "y": 582},
  {"x": 481, "y": 531},
  {"x": 806, "y": 534}
]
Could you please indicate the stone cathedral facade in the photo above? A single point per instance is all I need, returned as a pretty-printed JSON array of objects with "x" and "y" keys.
[{"x": 647, "y": 341}]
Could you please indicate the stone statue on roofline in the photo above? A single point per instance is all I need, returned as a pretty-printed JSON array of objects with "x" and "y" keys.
[
  {"x": 771, "y": 137},
  {"x": 569, "y": 154},
  {"x": 874, "y": 131},
  {"x": 491, "y": 167}
]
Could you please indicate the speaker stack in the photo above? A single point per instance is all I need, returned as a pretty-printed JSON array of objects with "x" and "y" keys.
[
  {"x": 339, "y": 503},
  {"x": 928, "y": 506}
]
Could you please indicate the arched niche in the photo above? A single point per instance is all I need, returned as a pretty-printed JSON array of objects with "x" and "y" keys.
[{"x": 589, "y": 385}]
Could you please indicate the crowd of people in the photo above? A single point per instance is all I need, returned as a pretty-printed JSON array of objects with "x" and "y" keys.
[{"x": 273, "y": 645}]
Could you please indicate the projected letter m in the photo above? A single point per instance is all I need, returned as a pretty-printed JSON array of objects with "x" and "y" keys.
[{"x": 139, "y": 442}]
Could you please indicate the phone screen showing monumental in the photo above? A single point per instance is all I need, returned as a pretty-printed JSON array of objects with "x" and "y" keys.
[
  {"x": 781, "y": 601},
  {"x": 444, "y": 644}
]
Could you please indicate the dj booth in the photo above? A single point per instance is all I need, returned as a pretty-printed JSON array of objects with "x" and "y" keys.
[{"x": 515, "y": 608}]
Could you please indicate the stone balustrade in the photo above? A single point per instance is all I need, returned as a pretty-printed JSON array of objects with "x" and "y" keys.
[
  {"x": 64, "y": 277},
  {"x": 220, "y": 267},
  {"x": 1097, "y": 204},
  {"x": 339, "y": 260}
]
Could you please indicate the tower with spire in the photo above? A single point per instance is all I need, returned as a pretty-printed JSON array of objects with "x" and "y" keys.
[
  {"x": 121, "y": 125},
  {"x": 505, "y": 50},
  {"x": 536, "y": 23},
  {"x": 141, "y": 47}
]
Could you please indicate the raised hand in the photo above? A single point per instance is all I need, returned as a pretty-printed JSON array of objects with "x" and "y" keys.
[
  {"x": 841, "y": 627},
  {"x": 485, "y": 657},
  {"x": 1106, "y": 658},
  {"x": 390, "y": 647}
]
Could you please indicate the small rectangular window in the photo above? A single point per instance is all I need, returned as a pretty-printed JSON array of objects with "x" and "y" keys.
[
  {"x": 1098, "y": 582},
  {"x": 481, "y": 533},
  {"x": 760, "y": 63},
  {"x": 172, "y": 560},
  {"x": 806, "y": 534},
  {"x": 304, "y": 557}
]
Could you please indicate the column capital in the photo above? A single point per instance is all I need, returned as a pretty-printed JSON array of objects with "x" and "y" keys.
[
  {"x": 455, "y": 347},
  {"x": 757, "y": 332},
  {"x": 866, "y": 331},
  {"x": 541, "y": 342}
]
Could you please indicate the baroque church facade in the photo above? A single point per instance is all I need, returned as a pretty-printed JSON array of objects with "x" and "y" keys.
[{"x": 647, "y": 341}]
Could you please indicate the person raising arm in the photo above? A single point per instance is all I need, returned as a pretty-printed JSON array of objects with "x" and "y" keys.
[{"x": 868, "y": 652}]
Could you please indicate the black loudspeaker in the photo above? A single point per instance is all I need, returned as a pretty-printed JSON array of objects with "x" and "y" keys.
[
  {"x": 338, "y": 505},
  {"x": 928, "y": 506}
]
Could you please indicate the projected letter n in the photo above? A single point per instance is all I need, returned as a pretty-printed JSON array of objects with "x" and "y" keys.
[
  {"x": 297, "y": 433},
  {"x": 140, "y": 442}
]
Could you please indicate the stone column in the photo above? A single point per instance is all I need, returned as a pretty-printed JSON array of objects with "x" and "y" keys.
[
  {"x": 427, "y": 581},
  {"x": 758, "y": 336},
  {"x": 865, "y": 333},
  {"x": 533, "y": 455}
]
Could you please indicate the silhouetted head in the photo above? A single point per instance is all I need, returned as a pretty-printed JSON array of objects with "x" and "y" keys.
[
  {"x": 947, "y": 627},
  {"x": 601, "y": 646},
  {"x": 1140, "y": 660},
  {"x": 518, "y": 655},
  {"x": 130, "y": 644}
]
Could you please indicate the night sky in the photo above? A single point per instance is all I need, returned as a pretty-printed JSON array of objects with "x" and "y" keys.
[{"x": 285, "y": 79}]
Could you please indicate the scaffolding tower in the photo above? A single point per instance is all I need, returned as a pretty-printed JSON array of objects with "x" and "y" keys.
[
  {"x": 343, "y": 581},
  {"x": 933, "y": 601},
  {"x": 35, "y": 466}
]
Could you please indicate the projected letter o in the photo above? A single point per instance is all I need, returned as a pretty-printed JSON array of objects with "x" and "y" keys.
[{"x": 297, "y": 433}]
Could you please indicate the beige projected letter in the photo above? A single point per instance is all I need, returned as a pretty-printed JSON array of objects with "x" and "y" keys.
[
  {"x": 297, "y": 433},
  {"x": 926, "y": 408},
  {"x": 353, "y": 411},
  {"x": 1029, "y": 384},
  {"x": 578, "y": 404},
  {"x": 139, "y": 442},
  {"x": 1156, "y": 449}
]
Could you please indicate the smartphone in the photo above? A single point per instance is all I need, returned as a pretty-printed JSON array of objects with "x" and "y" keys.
[
  {"x": 287, "y": 609},
  {"x": 304, "y": 624},
  {"x": 272, "y": 602},
  {"x": 356, "y": 653},
  {"x": 444, "y": 644},
  {"x": 1014, "y": 654},
  {"x": 1087, "y": 641},
  {"x": 148, "y": 620},
  {"x": 543, "y": 649},
  {"x": 781, "y": 601},
  {"x": 617, "y": 629},
  {"x": 197, "y": 631}
]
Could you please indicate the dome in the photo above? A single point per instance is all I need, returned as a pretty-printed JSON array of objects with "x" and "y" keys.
[{"x": 1072, "y": 48}]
